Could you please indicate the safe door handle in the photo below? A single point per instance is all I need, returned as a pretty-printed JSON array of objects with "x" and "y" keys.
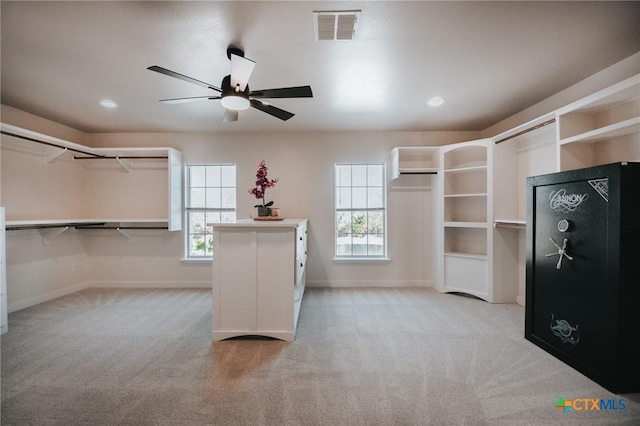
[{"x": 562, "y": 252}]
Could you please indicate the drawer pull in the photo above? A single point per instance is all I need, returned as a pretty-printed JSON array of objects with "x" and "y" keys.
[
  {"x": 300, "y": 238},
  {"x": 301, "y": 264}
]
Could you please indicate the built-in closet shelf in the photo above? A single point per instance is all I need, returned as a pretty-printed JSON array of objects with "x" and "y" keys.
[
  {"x": 524, "y": 133},
  {"x": 413, "y": 160},
  {"x": 418, "y": 171},
  {"x": 66, "y": 179},
  {"x": 465, "y": 225},
  {"x": 466, "y": 169},
  {"x": 510, "y": 224},
  {"x": 466, "y": 255},
  {"x": 88, "y": 224},
  {"x": 602, "y": 128},
  {"x": 471, "y": 194},
  {"x": 611, "y": 131},
  {"x": 52, "y": 148}
]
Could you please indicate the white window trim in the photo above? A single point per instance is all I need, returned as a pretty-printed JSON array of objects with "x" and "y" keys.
[
  {"x": 355, "y": 259},
  {"x": 360, "y": 258},
  {"x": 198, "y": 259}
]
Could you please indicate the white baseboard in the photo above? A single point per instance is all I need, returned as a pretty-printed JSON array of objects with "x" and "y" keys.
[
  {"x": 45, "y": 297},
  {"x": 369, "y": 283},
  {"x": 150, "y": 284}
]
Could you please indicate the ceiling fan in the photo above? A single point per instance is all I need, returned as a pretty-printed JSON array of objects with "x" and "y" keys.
[{"x": 234, "y": 92}]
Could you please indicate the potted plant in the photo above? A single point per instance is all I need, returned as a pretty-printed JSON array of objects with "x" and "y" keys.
[{"x": 262, "y": 183}]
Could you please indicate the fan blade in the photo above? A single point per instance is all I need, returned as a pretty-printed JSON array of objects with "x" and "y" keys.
[
  {"x": 230, "y": 115},
  {"x": 183, "y": 77},
  {"x": 183, "y": 100},
  {"x": 241, "y": 69},
  {"x": 270, "y": 109},
  {"x": 284, "y": 92}
]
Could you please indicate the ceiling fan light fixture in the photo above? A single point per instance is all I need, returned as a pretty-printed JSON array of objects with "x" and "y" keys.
[{"x": 235, "y": 102}]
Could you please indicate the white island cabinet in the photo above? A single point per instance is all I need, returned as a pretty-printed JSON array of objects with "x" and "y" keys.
[{"x": 258, "y": 277}]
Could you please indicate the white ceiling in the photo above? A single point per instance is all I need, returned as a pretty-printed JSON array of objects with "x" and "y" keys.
[{"x": 489, "y": 60}]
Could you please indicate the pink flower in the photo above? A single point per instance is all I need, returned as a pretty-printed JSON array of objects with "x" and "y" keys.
[{"x": 262, "y": 183}]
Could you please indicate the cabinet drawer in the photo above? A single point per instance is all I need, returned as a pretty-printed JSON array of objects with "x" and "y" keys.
[
  {"x": 299, "y": 289},
  {"x": 301, "y": 263},
  {"x": 301, "y": 239}
]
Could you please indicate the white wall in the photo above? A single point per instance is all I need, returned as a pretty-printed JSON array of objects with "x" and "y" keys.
[
  {"x": 303, "y": 163},
  {"x": 34, "y": 189},
  {"x": 37, "y": 272}
]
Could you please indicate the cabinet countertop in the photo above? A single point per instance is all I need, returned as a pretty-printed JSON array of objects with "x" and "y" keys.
[{"x": 251, "y": 223}]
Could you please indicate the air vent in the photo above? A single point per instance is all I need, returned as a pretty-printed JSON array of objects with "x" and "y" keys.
[{"x": 335, "y": 25}]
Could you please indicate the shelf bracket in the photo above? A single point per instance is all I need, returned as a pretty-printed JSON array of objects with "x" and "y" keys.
[
  {"x": 124, "y": 165},
  {"x": 125, "y": 234},
  {"x": 46, "y": 239},
  {"x": 50, "y": 158}
]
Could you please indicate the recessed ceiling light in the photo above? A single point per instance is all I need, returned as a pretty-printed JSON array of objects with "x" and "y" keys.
[
  {"x": 108, "y": 103},
  {"x": 435, "y": 101}
]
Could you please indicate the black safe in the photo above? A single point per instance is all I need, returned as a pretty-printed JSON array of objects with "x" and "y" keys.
[{"x": 583, "y": 271}]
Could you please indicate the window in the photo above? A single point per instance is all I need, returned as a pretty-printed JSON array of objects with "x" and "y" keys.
[
  {"x": 211, "y": 198},
  {"x": 360, "y": 211}
]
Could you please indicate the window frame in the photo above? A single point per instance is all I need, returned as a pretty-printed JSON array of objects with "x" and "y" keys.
[
  {"x": 383, "y": 208},
  {"x": 208, "y": 231}
]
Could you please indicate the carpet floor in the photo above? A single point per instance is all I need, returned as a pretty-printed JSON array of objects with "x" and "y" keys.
[{"x": 361, "y": 357}]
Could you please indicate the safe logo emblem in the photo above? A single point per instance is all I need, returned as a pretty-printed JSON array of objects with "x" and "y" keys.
[
  {"x": 562, "y": 202},
  {"x": 564, "y": 331}
]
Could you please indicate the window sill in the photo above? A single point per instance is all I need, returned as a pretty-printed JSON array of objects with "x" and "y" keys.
[
  {"x": 361, "y": 259},
  {"x": 193, "y": 260}
]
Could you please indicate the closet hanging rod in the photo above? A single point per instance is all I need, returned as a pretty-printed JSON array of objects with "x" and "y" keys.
[
  {"x": 122, "y": 227},
  {"x": 510, "y": 225},
  {"x": 50, "y": 144},
  {"x": 419, "y": 173},
  {"x": 91, "y": 155},
  {"x": 57, "y": 225},
  {"x": 130, "y": 157},
  {"x": 530, "y": 129}
]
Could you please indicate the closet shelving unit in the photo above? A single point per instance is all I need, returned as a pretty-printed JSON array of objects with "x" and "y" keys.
[
  {"x": 464, "y": 213},
  {"x": 481, "y": 185},
  {"x": 526, "y": 150},
  {"x": 59, "y": 185},
  {"x": 464, "y": 195},
  {"x": 475, "y": 255},
  {"x": 413, "y": 160},
  {"x": 602, "y": 128}
]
